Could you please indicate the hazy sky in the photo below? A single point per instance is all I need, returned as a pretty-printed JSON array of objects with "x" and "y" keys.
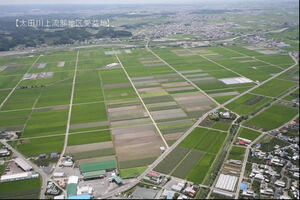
[
  {"x": 9, "y": 2},
  {"x": 2, "y": 2}
]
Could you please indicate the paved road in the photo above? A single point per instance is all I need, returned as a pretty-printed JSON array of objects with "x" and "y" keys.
[
  {"x": 68, "y": 121},
  {"x": 70, "y": 111},
  {"x": 244, "y": 165},
  {"x": 12, "y": 91},
  {"x": 149, "y": 114}
]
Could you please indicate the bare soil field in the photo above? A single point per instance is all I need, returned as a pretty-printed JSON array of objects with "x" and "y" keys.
[
  {"x": 137, "y": 145},
  {"x": 222, "y": 94},
  {"x": 131, "y": 122},
  {"x": 176, "y": 84},
  {"x": 168, "y": 114},
  {"x": 89, "y": 147}
]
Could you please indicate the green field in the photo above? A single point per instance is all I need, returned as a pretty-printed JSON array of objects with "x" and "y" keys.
[
  {"x": 107, "y": 110},
  {"x": 171, "y": 160},
  {"x": 237, "y": 153},
  {"x": 34, "y": 147},
  {"x": 22, "y": 189},
  {"x": 205, "y": 140},
  {"x": 195, "y": 153},
  {"x": 248, "y": 134},
  {"x": 273, "y": 117},
  {"x": 274, "y": 87},
  {"x": 223, "y": 126},
  {"x": 198, "y": 174},
  {"x": 89, "y": 137},
  {"x": 132, "y": 172},
  {"x": 248, "y": 104}
]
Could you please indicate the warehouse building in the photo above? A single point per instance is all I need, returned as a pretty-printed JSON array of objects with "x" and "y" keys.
[
  {"x": 4, "y": 152},
  {"x": 23, "y": 164},
  {"x": 72, "y": 186},
  {"x": 93, "y": 174},
  {"x": 97, "y": 170},
  {"x": 18, "y": 176},
  {"x": 226, "y": 182}
]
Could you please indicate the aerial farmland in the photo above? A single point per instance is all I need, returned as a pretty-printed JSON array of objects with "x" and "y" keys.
[
  {"x": 207, "y": 114},
  {"x": 130, "y": 105}
]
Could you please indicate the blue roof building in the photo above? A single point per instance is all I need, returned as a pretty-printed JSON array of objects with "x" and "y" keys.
[
  {"x": 244, "y": 186},
  {"x": 84, "y": 196}
]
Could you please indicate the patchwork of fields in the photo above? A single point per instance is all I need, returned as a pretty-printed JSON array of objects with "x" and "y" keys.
[
  {"x": 193, "y": 158},
  {"x": 129, "y": 103}
]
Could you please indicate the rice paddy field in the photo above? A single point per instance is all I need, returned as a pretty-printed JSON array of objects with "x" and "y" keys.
[
  {"x": 125, "y": 104},
  {"x": 193, "y": 158},
  {"x": 22, "y": 189}
]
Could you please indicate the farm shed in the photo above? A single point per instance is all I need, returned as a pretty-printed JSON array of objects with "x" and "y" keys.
[
  {"x": 93, "y": 174},
  {"x": 226, "y": 182},
  {"x": 72, "y": 189},
  {"x": 23, "y": 164}
]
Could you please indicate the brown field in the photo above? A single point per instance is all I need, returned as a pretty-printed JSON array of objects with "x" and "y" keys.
[
  {"x": 168, "y": 114},
  {"x": 136, "y": 144},
  {"x": 150, "y": 90},
  {"x": 180, "y": 89},
  {"x": 97, "y": 159},
  {"x": 131, "y": 122},
  {"x": 126, "y": 113},
  {"x": 176, "y": 84},
  {"x": 88, "y": 147},
  {"x": 173, "y": 136}
]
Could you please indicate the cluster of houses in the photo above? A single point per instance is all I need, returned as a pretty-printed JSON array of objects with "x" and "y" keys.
[
  {"x": 217, "y": 115},
  {"x": 243, "y": 141},
  {"x": 183, "y": 190},
  {"x": 155, "y": 178},
  {"x": 279, "y": 174},
  {"x": 9, "y": 135}
]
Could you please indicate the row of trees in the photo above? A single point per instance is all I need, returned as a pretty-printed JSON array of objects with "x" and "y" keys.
[{"x": 30, "y": 37}]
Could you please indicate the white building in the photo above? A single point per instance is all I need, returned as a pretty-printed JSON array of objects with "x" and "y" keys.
[
  {"x": 73, "y": 179},
  {"x": 58, "y": 174},
  {"x": 4, "y": 152},
  {"x": 85, "y": 190},
  {"x": 67, "y": 163},
  {"x": 18, "y": 176},
  {"x": 279, "y": 183},
  {"x": 226, "y": 182},
  {"x": 23, "y": 164},
  {"x": 176, "y": 188}
]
